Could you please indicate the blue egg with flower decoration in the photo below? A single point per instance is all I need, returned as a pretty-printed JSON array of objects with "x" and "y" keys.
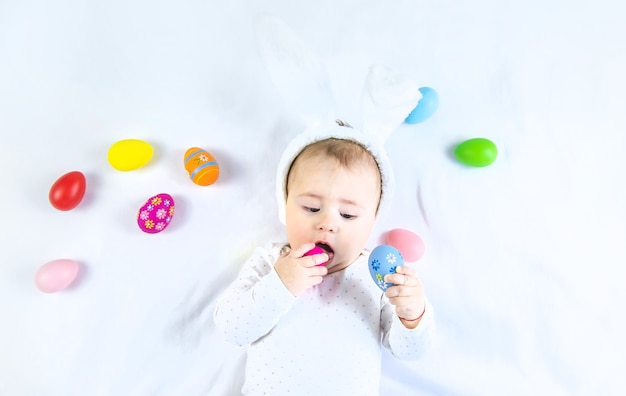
[{"x": 383, "y": 260}]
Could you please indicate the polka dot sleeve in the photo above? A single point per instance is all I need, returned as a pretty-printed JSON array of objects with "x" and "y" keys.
[
  {"x": 406, "y": 343},
  {"x": 254, "y": 302}
]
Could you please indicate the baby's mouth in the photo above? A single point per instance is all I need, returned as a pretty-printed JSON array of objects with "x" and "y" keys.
[{"x": 327, "y": 249}]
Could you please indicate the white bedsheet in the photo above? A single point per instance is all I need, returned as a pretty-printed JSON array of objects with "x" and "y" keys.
[{"x": 524, "y": 258}]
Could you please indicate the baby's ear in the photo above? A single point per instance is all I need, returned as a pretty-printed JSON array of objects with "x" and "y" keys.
[
  {"x": 388, "y": 98},
  {"x": 298, "y": 74}
]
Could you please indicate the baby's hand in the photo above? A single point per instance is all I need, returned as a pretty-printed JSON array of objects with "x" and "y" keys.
[
  {"x": 299, "y": 273},
  {"x": 407, "y": 295}
]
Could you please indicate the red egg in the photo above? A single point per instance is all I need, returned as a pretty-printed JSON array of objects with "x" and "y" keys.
[{"x": 67, "y": 192}]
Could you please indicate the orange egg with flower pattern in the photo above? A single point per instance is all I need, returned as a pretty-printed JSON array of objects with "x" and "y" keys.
[{"x": 201, "y": 166}]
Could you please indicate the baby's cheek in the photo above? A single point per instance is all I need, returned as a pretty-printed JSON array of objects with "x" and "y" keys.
[{"x": 297, "y": 236}]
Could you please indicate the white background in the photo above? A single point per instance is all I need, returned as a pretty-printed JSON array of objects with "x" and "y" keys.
[{"x": 524, "y": 258}]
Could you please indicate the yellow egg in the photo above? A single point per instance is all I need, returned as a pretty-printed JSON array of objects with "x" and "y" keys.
[{"x": 129, "y": 154}]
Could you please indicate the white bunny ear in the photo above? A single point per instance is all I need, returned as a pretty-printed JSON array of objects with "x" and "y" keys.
[
  {"x": 387, "y": 100},
  {"x": 296, "y": 71}
]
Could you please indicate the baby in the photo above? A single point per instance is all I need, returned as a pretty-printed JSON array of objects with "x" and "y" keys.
[{"x": 314, "y": 324}]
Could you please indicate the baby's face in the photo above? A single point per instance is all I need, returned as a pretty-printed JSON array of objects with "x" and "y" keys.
[{"x": 333, "y": 207}]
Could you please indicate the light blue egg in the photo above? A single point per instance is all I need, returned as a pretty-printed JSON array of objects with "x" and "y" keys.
[
  {"x": 425, "y": 107},
  {"x": 383, "y": 260}
]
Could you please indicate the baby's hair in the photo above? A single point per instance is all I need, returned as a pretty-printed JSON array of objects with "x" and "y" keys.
[{"x": 346, "y": 152}]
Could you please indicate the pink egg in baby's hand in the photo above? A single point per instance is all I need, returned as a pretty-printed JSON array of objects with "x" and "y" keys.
[
  {"x": 315, "y": 250},
  {"x": 407, "y": 242},
  {"x": 56, "y": 275}
]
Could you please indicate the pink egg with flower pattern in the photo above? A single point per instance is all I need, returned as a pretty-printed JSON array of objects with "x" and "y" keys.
[{"x": 156, "y": 214}]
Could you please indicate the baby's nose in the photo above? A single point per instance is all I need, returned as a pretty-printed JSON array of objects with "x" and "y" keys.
[{"x": 327, "y": 224}]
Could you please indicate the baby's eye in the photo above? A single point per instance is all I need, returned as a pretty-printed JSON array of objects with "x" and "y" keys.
[
  {"x": 348, "y": 216},
  {"x": 312, "y": 210}
]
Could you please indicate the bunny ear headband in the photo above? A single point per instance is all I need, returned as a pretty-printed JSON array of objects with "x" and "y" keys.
[{"x": 301, "y": 78}]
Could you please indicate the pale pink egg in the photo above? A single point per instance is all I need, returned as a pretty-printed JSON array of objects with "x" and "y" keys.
[
  {"x": 56, "y": 275},
  {"x": 407, "y": 242}
]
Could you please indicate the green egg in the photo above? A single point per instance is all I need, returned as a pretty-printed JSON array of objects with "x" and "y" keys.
[{"x": 476, "y": 152}]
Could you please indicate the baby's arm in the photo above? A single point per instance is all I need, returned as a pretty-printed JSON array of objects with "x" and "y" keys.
[
  {"x": 407, "y": 317},
  {"x": 407, "y": 295},
  {"x": 405, "y": 343},
  {"x": 254, "y": 303}
]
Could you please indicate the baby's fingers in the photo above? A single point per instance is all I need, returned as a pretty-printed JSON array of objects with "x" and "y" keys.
[
  {"x": 317, "y": 270},
  {"x": 402, "y": 280},
  {"x": 309, "y": 258},
  {"x": 406, "y": 270},
  {"x": 301, "y": 250}
]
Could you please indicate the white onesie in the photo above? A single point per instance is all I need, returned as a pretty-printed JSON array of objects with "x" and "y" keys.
[{"x": 325, "y": 342}]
